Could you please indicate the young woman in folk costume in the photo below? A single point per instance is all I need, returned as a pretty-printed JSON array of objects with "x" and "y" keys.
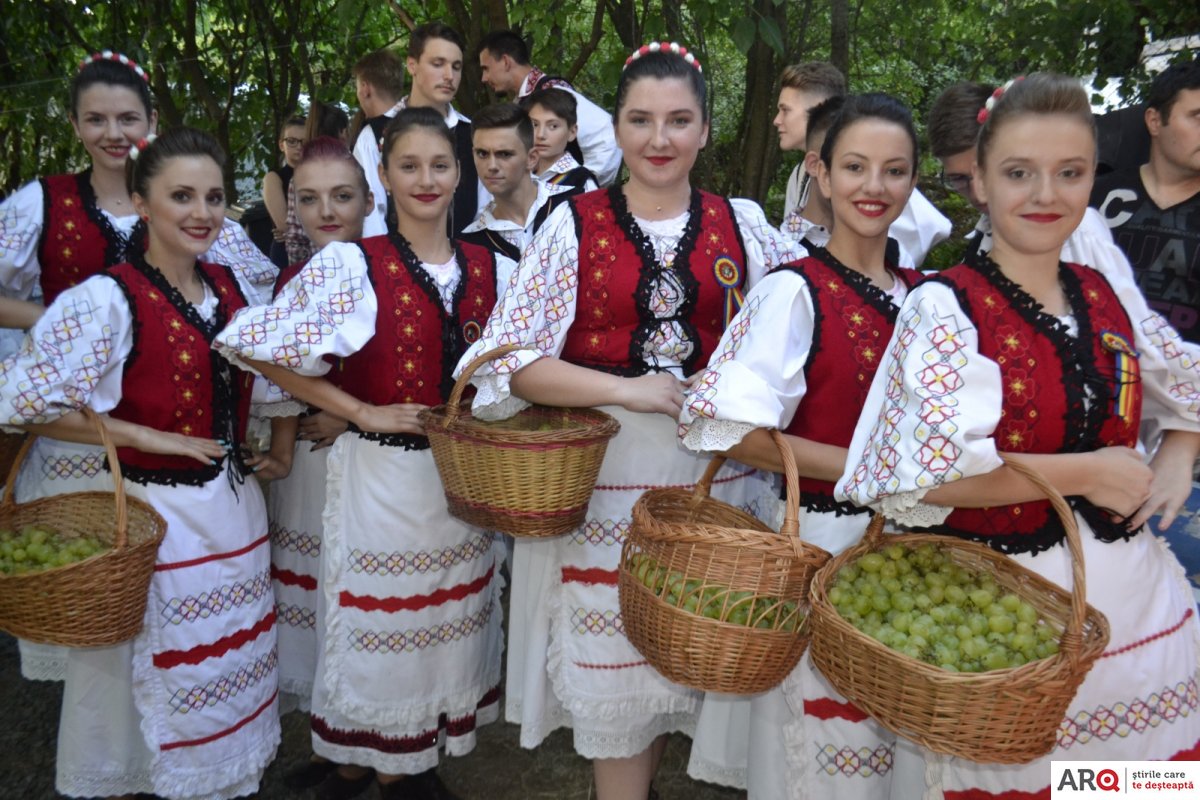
[
  {"x": 57, "y": 231},
  {"x": 410, "y": 597},
  {"x": 621, "y": 296},
  {"x": 1057, "y": 364},
  {"x": 799, "y": 358},
  {"x": 187, "y": 709},
  {"x": 332, "y": 201}
]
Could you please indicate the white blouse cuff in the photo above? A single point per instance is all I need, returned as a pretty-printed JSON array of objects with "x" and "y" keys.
[
  {"x": 907, "y": 509},
  {"x": 705, "y": 434}
]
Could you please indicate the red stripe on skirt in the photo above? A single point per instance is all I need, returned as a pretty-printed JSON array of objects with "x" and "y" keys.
[
  {"x": 828, "y": 708},
  {"x": 1011, "y": 794},
  {"x": 214, "y": 557},
  {"x": 1191, "y": 754},
  {"x": 175, "y": 658},
  {"x": 289, "y": 578},
  {"x": 606, "y": 577},
  {"x": 224, "y": 733},
  {"x": 396, "y": 745},
  {"x": 415, "y": 602}
]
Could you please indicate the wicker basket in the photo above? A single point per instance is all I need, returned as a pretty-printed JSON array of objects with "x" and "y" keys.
[
  {"x": 531, "y": 475},
  {"x": 95, "y": 602},
  {"x": 686, "y": 531},
  {"x": 1007, "y": 716}
]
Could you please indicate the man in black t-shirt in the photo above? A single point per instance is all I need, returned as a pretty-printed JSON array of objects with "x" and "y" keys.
[{"x": 1154, "y": 210}]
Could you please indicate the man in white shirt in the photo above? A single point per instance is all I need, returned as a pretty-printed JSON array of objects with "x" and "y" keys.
[
  {"x": 504, "y": 62},
  {"x": 803, "y": 86},
  {"x": 379, "y": 84},
  {"x": 505, "y": 159}
]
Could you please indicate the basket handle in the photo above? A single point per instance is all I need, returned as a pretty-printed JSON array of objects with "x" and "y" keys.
[
  {"x": 11, "y": 484},
  {"x": 1072, "y": 638},
  {"x": 122, "y": 523},
  {"x": 452, "y": 405},
  {"x": 791, "y": 477}
]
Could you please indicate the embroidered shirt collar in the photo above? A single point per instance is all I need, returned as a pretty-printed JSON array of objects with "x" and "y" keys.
[{"x": 487, "y": 217}]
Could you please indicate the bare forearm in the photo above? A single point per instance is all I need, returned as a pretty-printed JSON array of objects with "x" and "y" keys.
[
  {"x": 75, "y": 427},
  {"x": 1179, "y": 449},
  {"x": 823, "y": 462},
  {"x": 553, "y": 382},
  {"x": 1067, "y": 472},
  {"x": 20, "y": 314}
]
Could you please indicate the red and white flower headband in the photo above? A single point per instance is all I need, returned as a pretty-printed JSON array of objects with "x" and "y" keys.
[
  {"x": 986, "y": 111},
  {"x": 140, "y": 147},
  {"x": 120, "y": 58},
  {"x": 665, "y": 47}
]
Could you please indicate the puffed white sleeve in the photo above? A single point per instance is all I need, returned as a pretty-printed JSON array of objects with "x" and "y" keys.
[
  {"x": 327, "y": 309},
  {"x": 22, "y": 215},
  {"x": 755, "y": 378},
  {"x": 597, "y": 141},
  {"x": 920, "y": 226},
  {"x": 929, "y": 416},
  {"x": 1169, "y": 366},
  {"x": 73, "y": 357},
  {"x": 234, "y": 249},
  {"x": 766, "y": 246},
  {"x": 535, "y": 312}
]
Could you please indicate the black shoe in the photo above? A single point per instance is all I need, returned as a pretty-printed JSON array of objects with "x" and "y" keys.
[
  {"x": 336, "y": 787},
  {"x": 308, "y": 774}
]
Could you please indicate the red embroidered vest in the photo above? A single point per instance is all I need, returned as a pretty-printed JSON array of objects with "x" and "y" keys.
[
  {"x": 1046, "y": 375},
  {"x": 77, "y": 240},
  {"x": 853, "y": 321},
  {"x": 173, "y": 380},
  {"x": 416, "y": 346},
  {"x": 613, "y": 315}
]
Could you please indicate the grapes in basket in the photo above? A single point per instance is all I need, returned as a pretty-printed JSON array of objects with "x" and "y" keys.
[
  {"x": 35, "y": 548},
  {"x": 716, "y": 602},
  {"x": 919, "y": 602}
]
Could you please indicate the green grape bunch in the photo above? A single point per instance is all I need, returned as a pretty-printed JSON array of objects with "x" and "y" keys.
[
  {"x": 35, "y": 548},
  {"x": 917, "y": 601},
  {"x": 716, "y": 602}
]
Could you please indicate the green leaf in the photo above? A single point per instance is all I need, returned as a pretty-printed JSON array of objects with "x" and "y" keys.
[
  {"x": 743, "y": 34},
  {"x": 768, "y": 29}
]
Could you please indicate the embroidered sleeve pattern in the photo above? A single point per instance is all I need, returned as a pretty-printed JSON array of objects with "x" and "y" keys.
[
  {"x": 234, "y": 249},
  {"x": 60, "y": 364},
  {"x": 912, "y": 446},
  {"x": 536, "y": 312},
  {"x": 327, "y": 309},
  {"x": 766, "y": 246},
  {"x": 20, "y": 227},
  {"x": 1181, "y": 364}
]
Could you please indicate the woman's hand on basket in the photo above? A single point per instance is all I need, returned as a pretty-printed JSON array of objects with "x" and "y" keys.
[
  {"x": 1119, "y": 480},
  {"x": 322, "y": 429},
  {"x": 396, "y": 418},
  {"x": 656, "y": 393}
]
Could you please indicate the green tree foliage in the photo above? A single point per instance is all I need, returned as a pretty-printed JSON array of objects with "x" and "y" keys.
[{"x": 240, "y": 67}]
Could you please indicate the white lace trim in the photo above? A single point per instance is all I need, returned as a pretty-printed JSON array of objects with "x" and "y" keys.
[
  {"x": 608, "y": 744},
  {"x": 704, "y": 770},
  {"x": 705, "y": 434},
  {"x": 286, "y": 408},
  {"x": 102, "y": 785},
  {"x": 907, "y": 509},
  {"x": 341, "y": 695},
  {"x": 41, "y": 663}
]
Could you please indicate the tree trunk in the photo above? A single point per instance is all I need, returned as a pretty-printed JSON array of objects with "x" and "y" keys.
[
  {"x": 756, "y": 157},
  {"x": 839, "y": 44}
]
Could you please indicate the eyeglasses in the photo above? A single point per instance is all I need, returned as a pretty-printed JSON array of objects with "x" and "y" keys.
[
  {"x": 956, "y": 182},
  {"x": 292, "y": 141}
]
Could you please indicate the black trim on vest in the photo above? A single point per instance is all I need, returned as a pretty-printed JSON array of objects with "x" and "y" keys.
[
  {"x": 650, "y": 269},
  {"x": 1077, "y": 359},
  {"x": 225, "y": 386},
  {"x": 117, "y": 245}
]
